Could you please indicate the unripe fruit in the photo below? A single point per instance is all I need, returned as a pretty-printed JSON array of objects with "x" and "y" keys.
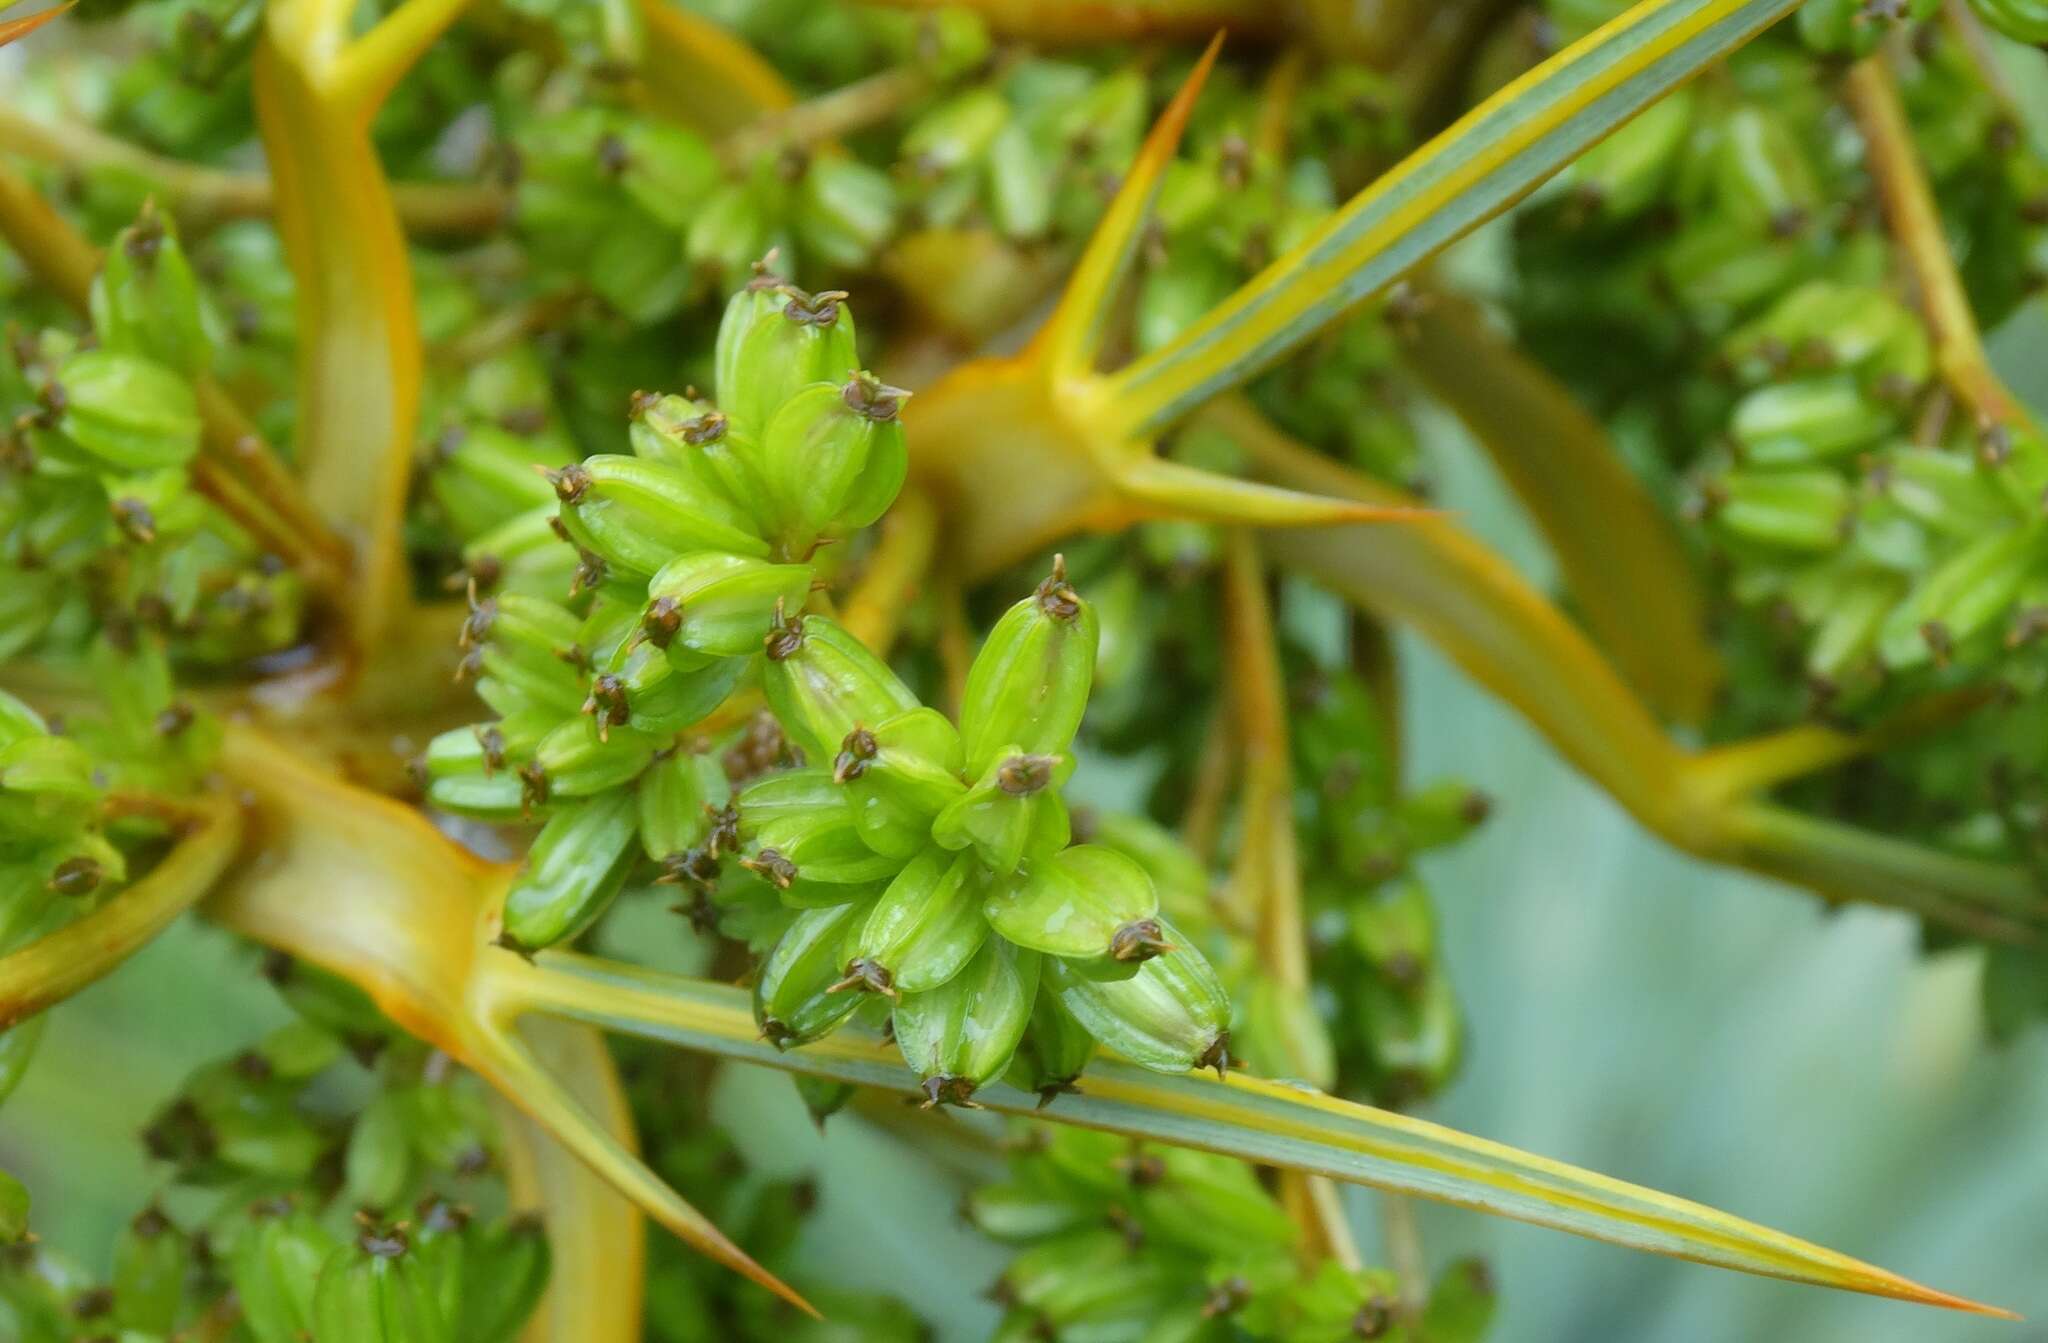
[
  {"x": 1086, "y": 902},
  {"x": 1028, "y": 687},
  {"x": 963, "y": 1033},
  {"x": 572, "y": 872},
  {"x": 1172, "y": 1015}
]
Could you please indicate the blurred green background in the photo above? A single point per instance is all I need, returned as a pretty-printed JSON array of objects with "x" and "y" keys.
[{"x": 1631, "y": 1011}]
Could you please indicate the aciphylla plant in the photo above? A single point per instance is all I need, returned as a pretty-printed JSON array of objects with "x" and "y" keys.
[{"x": 476, "y": 560}]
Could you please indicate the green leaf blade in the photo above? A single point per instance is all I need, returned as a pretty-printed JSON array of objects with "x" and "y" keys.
[
  {"x": 1268, "y": 1123},
  {"x": 1491, "y": 158}
]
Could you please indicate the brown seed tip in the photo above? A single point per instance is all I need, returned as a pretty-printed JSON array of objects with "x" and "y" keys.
[
  {"x": 854, "y": 754},
  {"x": 1024, "y": 775},
  {"x": 1056, "y": 597},
  {"x": 771, "y": 866},
  {"x": 1139, "y": 940},
  {"x": 571, "y": 483},
  {"x": 1217, "y": 1055},
  {"x": 949, "y": 1091},
  {"x": 76, "y": 877},
  {"x": 661, "y": 621},
  {"x": 868, "y": 396},
  {"x": 867, "y": 976},
  {"x": 785, "y": 634}
]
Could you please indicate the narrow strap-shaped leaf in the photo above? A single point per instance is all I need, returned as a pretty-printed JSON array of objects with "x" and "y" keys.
[
  {"x": 1490, "y": 159},
  {"x": 1290, "y": 1127},
  {"x": 1073, "y": 334},
  {"x": 12, "y": 30}
]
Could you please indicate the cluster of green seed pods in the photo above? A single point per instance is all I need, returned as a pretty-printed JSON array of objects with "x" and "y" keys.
[
  {"x": 934, "y": 870},
  {"x": 1125, "y": 1241},
  {"x": 682, "y": 557},
  {"x": 100, "y": 522},
  {"x": 380, "y": 1221}
]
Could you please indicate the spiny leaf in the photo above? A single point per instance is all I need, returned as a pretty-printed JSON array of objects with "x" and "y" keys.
[
  {"x": 1270, "y": 1123},
  {"x": 1490, "y": 159},
  {"x": 12, "y": 30}
]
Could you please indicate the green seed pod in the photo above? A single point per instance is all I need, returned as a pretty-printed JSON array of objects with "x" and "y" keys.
[
  {"x": 1785, "y": 510},
  {"x": 1090, "y": 1275},
  {"x": 474, "y": 771},
  {"x": 665, "y": 169},
  {"x": 1461, "y": 1303},
  {"x": 720, "y": 605},
  {"x": 1022, "y": 1212},
  {"x": 794, "y": 1002},
  {"x": 1762, "y": 176},
  {"x": 325, "y": 1000},
  {"x": 964, "y": 1032},
  {"x": 2022, "y": 20},
  {"x": 1280, "y": 1034},
  {"x": 505, "y": 1269},
  {"x": 1172, "y": 1015},
  {"x": 378, "y": 1165},
  {"x": 1086, "y": 902},
  {"x": 1021, "y": 171},
  {"x": 775, "y": 339},
  {"x": 822, "y": 683},
  {"x": 845, "y": 211},
  {"x": 798, "y": 826},
  {"x": 728, "y": 229},
  {"x": 151, "y": 1259},
  {"x": 924, "y": 929},
  {"x": 823, "y": 1097},
  {"x": 1971, "y": 590},
  {"x": 1850, "y": 623},
  {"x": 638, "y": 514},
  {"x": 377, "y": 1291},
  {"x": 580, "y": 758},
  {"x": 1394, "y": 928},
  {"x": 1416, "y": 1036},
  {"x": 17, "y": 1048},
  {"x": 145, "y": 300},
  {"x": 483, "y": 477},
  {"x": 46, "y": 787},
  {"x": 955, "y": 133},
  {"x": 275, "y": 1269},
  {"x": 1013, "y": 812},
  {"x": 898, "y": 777},
  {"x": 525, "y": 554},
  {"x": 1178, "y": 876},
  {"x": 529, "y": 643},
  {"x": 671, "y": 429},
  {"x": 1028, "y": 686},
  {"x": 128, "y": 412},
  {"x": 1946, "y": 490},
  {"x": 833, "y": 458},
  {"x": 660, "y": 698},
  {"x": 1441, "y": 814},
  {"x": 575, "y": 867},
  {"x": 1054, "y": 1051},
  {"x": 677, "y": 796},
  {"x": 18, "y": 720},
  {"x": 952, "y": 42},
  {"x": 1626, "y": 173},
  {"x": 1855, "y": 27},
  {"x": 1808, "y": 421},
  {"x": 1212, "y": 1205}
]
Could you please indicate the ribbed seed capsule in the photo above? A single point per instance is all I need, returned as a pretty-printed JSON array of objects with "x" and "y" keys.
[
  {"x": 720, "y": 605},
  {"x": 923, "y": 929},
  {"x": 1811, "y": 420},
  {"x": 1178, "y": 876},
  {"x": 524, "y": 554},
  {"x": 474, "y": 771},
  {"x": 638, "y": 514},
  {"x": 1055, "y": 1049},
  {"x": 677, "y": 796},
  {"x": 483, "y": 477},
  {"x": 822, "y": 683},
  {"x": 1946, "y": 490},
  {"x": 151, "y": 1260},
  {"x": 2023, "y": 20},
  {"x": 774, "y": 339},
  {"x": 275, "y": 1269},
  {"x": 145, "y": 300},
  {"x": 798, "y": 827},
  {"x": 1013, "y": 812},
  {"x": 1848, "y": 628},
  {"x": 376, "y": 1291},
  {"x": 1028, "y": 686},
  {"x": 1970, "y": 590},
  {"x": 794, "y": 1000},
  {"x": 1086, "y": 902},
  {"x": 575, "y": 867},
  {"x": 1761, "y": 174},
  {"x": 1786, "y": 510},
  {"x": 1172, "y": 1015},
  {"x": 128, "y": 412},
  {"x": 961, "y": 1034},
  {"x": 672, "y": 429},
  {"x": 577, "y": 759},
  {"x": 535, "y": 633},
  {"x": 834, "y": 458},
  {"x": 1211, "y": 1204},
  {"x": 898, "y": 776}
]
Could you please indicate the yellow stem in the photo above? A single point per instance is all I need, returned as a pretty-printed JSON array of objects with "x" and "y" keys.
[
  {"x": 201, "y": 195},
  {"x": 54, "y": 967},
  {"x": 843, "y": 110},
  {"x": 895, "y": 571},
  {"x": 1202, "y": 819},
  {"x": 1622, "y": 559},
  {"x": 1059, "y": 22},
  {"x": 1916, "y": 227}
]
